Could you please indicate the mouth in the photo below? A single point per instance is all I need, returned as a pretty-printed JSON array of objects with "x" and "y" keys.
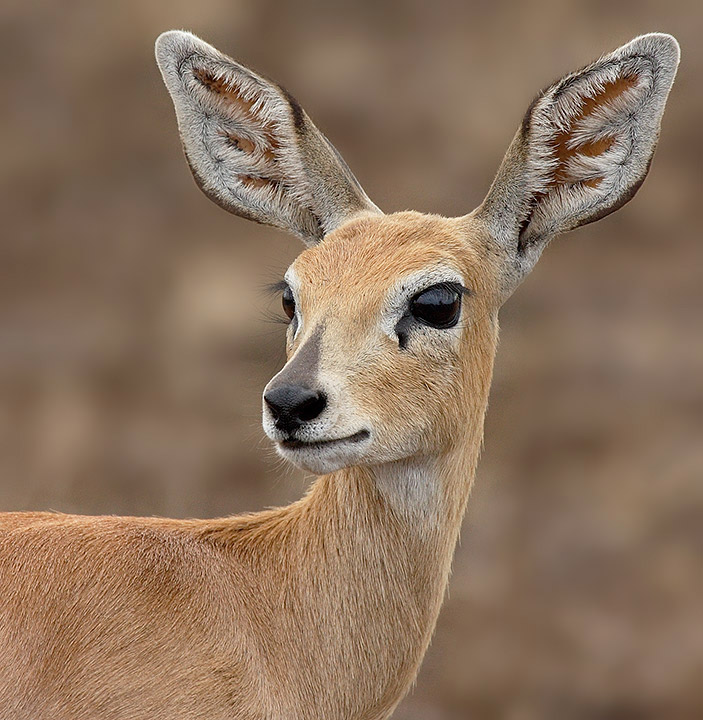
[{"x": 294, "y": 444}]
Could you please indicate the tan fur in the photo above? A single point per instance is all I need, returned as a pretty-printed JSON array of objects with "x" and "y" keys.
[
  {"x": 322, "y": 609},
  {"x": 318, "y": 610}
]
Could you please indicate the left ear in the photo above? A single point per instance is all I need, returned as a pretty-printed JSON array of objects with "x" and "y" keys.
[
  {"x": 252, "y": 149},
  {"x": 583, "y": 150}
]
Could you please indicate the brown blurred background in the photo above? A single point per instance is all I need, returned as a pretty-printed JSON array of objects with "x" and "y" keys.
[{"x": 134, "y": 339}]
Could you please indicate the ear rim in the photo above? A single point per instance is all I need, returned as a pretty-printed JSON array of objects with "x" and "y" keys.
[
  {"x": 523, "y": 175},
  {"x": 319, "y": 191}
]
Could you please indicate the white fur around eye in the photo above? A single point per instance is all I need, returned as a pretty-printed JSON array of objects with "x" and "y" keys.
[
  {"x": 294, "y": 283},
  {"x": 400, "y": 294}
]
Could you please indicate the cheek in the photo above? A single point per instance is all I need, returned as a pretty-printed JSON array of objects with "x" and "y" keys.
[{"x": 404, "y": 392}]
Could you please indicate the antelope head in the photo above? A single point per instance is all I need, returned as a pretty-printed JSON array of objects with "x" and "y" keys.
[{"x": 393, "y": 318}]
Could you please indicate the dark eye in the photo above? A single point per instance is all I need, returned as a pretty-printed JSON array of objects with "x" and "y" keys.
[
  {"x": 288, "y": 303},
  {"x": 438, "y": 306}
]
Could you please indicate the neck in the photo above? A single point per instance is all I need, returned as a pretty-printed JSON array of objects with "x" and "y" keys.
[{"x": 360, "y": 567}]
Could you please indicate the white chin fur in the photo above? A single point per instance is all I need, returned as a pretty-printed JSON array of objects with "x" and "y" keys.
[{"x": 322, "y": 460}]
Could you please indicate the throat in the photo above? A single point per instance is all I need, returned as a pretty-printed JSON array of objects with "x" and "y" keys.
[
  {"x": 417, "y": 489},
  {"x": 429, "y": 490},
  {"x": 410, "y": 486},
  {"x": 367, "y": 555},
  {"x": 383, "y": 540},
  {"x": 406, "y": 514}
]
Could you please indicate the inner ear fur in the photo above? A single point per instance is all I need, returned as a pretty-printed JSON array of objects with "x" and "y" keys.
[
  {"x": 251, "y": 147},
  {"x": 583, "y": 149}
]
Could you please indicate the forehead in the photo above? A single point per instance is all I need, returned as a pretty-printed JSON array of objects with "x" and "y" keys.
[{"x": 372, "y": 253}]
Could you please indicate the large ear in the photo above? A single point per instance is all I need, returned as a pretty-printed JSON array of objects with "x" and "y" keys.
[
  {"x": 251, "y": 147},
  {"x": 583, "y": 150}
]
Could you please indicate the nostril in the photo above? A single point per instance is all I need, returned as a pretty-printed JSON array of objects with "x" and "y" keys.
[
  {"x": 292, "y": 405},
  {"x": 312, "y": 407}
]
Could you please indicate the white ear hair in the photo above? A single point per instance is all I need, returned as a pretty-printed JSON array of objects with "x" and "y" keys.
[
  {"x": 251, "y": 147},
  {"x": 583, "y": 150}
]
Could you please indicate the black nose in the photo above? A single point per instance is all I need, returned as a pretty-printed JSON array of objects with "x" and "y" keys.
[{"x": 292, "y": 405}]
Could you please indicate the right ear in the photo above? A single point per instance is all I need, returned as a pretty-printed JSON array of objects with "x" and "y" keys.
[
  {"x": 583, "y": 150},
  {"x": 252, "y": 149}
]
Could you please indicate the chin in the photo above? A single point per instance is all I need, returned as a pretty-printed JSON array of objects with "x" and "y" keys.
[{"x": 322, "y": 458}]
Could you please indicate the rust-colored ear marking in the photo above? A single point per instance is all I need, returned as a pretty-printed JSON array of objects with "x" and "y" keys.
[
  {"x": 245, "y": 109},
  {"x": 565, "y": 150},
  {"x": 221, "y": 87},
  {"x": 240, "y": 143},
  {"x": 257, "y": 182}
]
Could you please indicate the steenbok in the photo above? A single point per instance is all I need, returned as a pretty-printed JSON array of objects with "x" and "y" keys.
[{"x": 323, "y": 609}]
